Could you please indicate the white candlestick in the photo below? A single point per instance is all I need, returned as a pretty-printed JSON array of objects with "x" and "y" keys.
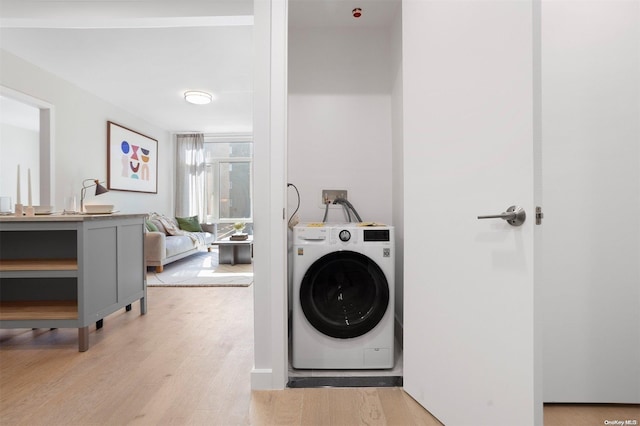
[
  {"x": 18, "y": 197},
  {"x": 29, "y": 184}
]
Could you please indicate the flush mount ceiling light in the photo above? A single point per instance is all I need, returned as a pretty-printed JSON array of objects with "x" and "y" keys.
[{"x": 196, "y": 97}]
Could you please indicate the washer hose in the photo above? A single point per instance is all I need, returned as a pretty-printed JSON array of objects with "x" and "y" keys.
[{"x": 348, "y": 205}]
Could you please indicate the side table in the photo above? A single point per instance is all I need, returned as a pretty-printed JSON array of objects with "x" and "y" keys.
[{"x": 234, "y": 251}]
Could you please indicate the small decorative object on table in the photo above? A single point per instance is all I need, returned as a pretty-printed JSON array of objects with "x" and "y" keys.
[
  {"x": 29, "y": 211},
  {"x": 239, "y": 235},
  {"x": 5, "y": 206}
]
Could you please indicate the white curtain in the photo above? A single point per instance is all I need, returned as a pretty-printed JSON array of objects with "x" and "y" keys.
[{"x": 190, "y": 176}]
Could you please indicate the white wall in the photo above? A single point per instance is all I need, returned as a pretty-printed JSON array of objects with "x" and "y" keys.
[
  {"x": 270, "y": 128},
  {"x": 80, "y": 145},
  {"x": 591, "y": 178},
  {"x": 340, "y": 120},
  {"x": 397, "y": 191}
]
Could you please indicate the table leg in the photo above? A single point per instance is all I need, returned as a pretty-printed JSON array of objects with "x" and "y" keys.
[{"x": 83, "y": 339}]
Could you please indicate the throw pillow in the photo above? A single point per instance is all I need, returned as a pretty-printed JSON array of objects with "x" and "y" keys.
[
  {"x": 170, "y": 225},
  {"x": 159, "y": 226},
  {"x": 190, "y": 224},
  {"x": 151, "y": 227}
]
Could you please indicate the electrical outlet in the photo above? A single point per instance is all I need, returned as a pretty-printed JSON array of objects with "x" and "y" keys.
[{"x": 329, "y": 195}]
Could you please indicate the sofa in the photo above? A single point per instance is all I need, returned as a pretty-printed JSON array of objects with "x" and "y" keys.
[{"x": 168, "y": 239}]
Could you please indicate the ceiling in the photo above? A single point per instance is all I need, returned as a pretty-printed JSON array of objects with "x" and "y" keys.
[
  {"x": 337, "y": 13},
  {"x": 146, "y": 71},
  {"x": 142, "y": 55}
]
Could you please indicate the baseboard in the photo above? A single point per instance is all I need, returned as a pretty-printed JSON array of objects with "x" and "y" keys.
[{"x": 262, "y": 379}]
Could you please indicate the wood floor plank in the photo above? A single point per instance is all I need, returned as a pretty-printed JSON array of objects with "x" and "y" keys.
[
  {"x": 586, "y": 414},
  {"x": 400, "y": 409},
  {"x": 316, "y": 409},
  {"x": 287, "y": 408},
  {"x": 188, "y": 362},
  {"x": 350, "y": 406},
  {"x": 371, "y": 410},
  {"x": 262, "y": 409}
]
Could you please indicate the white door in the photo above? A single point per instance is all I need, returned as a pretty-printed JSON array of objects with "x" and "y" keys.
[{"x": 470, "y": 88}]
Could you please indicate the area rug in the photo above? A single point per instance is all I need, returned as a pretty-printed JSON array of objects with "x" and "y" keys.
[{"x": 201, "y": 270}]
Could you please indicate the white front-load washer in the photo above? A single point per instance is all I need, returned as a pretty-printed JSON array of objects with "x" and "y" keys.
[{"x": 343, "y": 296}]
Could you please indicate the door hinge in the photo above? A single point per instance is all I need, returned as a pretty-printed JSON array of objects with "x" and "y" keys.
[{"x": 539, "y": 215}]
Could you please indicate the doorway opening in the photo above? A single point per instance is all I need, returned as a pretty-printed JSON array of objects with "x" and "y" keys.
[{"x": 26, "y": 139}]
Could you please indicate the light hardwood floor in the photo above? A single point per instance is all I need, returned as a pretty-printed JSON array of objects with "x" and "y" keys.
[{"x": 188, "y": 362}]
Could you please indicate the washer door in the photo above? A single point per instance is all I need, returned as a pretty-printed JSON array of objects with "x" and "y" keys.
[{"x": 344, "y": 294}]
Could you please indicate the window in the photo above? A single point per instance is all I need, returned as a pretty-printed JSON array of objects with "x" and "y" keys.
[{"x": 228, "y": 182}]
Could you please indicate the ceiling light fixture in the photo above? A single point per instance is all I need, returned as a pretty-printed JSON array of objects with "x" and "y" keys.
[{"x": 196, "y": 97}]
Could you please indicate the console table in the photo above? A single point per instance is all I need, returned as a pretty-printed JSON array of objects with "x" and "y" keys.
[{"x": 69, "y": 271}]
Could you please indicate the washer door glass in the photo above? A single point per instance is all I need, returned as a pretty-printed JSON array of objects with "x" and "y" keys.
[{"x": 344, "y": 294}]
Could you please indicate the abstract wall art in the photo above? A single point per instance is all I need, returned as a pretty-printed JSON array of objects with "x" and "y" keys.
[{"x": 132, "y": 160}]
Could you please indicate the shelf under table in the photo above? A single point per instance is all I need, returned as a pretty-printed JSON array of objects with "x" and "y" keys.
[
  {"x": 38, "y": 265},
  {"x": 39, "y": 310}
]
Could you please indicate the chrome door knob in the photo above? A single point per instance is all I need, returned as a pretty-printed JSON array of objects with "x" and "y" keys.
[{"x": 514, "y": 215}]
